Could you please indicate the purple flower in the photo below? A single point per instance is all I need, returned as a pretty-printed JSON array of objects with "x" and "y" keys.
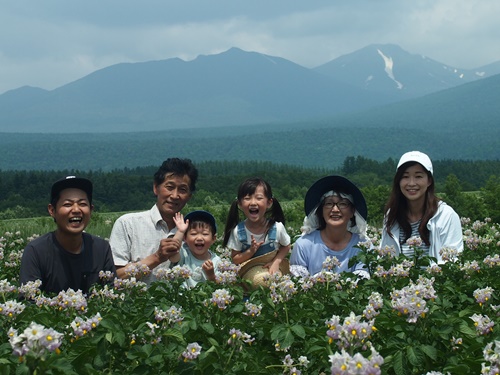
[
  {"x": 221, "y": 298},
  {"x": 192, "y": 351}
]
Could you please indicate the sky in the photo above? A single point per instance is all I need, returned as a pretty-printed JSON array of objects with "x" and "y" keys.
[{"x": 50, "y": 43}]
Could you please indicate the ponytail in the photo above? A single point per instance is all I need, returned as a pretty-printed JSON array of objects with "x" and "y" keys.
[
  {"x": 233, "y": 218},
  {"x": 277, "y": 214}
]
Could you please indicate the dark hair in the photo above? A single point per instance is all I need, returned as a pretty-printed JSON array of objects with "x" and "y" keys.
[
  {"x": 248, "y": 187},
  {"x": 397, "y": 206},
  {"x": 177, "y": 167},
  {"x": 319, "y": 212},
  {"x": 199, "y": 222}
]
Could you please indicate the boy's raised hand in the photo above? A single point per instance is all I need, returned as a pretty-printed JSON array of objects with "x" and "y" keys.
[{"x": 181, "y": 225}]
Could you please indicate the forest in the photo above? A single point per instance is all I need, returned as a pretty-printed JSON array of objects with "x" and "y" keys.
[{"x": 471, "y": 187}]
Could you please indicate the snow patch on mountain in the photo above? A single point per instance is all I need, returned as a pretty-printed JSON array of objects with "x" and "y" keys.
[{"x": 388, "y": 68}]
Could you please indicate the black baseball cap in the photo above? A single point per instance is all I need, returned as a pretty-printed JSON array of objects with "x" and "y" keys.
[
  {"x": 71, "y": 182},
  {"x": 202, "y": 216}
]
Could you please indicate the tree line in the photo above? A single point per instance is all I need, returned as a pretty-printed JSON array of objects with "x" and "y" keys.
[{"x": 471, "y": 187}]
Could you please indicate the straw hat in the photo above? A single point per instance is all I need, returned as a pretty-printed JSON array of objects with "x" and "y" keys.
[{"x": 254, "y": 271}]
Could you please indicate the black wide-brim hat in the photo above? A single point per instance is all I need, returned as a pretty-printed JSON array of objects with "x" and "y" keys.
[{"x": 339, "y": 184}]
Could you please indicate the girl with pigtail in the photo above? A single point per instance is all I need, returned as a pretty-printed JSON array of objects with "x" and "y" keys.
[{"x": 262, "y": 233}]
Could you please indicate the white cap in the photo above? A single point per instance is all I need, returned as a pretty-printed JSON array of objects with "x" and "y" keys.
[{"x": 417, "y": 156}]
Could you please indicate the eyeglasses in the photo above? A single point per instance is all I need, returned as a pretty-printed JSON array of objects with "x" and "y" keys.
[{"x": 342, "y": 205}]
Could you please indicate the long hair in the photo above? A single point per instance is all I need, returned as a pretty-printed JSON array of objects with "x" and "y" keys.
[
  {"x": 248, "y": 187},
  {"x": 397, "y": 206}
]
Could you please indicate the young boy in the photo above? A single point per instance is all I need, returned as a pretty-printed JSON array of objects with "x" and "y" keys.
[
  {"x": 68, "y": 257},
  {"x": 198, "y": 231}
]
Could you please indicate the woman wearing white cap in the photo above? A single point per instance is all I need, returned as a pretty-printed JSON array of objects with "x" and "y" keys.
[
  {"x": 335, "y": 224},
  {"x": 414, "y": 210}
]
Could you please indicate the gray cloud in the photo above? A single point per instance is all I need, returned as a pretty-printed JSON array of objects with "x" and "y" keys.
[{"x": 50, "y": 43}]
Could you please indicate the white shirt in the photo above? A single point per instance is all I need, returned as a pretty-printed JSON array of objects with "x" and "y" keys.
[{"x": 137, "y": 235}]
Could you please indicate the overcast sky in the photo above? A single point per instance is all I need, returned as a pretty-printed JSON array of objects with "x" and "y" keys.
[{"x": 52, "y": 42}]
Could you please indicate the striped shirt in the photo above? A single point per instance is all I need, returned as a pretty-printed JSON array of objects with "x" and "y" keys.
[{"x": 405, "y": 248}]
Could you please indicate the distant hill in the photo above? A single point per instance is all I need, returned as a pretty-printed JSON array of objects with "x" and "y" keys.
[
  {"x": 458, "y": 123},
  {"x": 234, "y": 88},
  {"x": 471, "y": 106},
  {"x": 391, "y": 71}
]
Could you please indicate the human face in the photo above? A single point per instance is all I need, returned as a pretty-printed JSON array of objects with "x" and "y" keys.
[
  {"x": 72, "y": 211},
  {"x": 414, "y": 183},
  {"x": 172, "y": 195},
  {"x": 337, "y": 216},
  {"x": 255, "y": 206},
  {"x": 199, "y": 238}
]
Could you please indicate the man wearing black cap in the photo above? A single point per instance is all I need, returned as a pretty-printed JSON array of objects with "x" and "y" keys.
[{"x": 68, "y": 257}]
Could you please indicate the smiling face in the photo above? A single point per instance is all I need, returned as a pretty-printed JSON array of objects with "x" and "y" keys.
[
  {"x": 337, "y": 211},
  {"x": 255, "y": 205},
  {"x": 199, "y": 237},
  {"x": 172, "y": 195},
  {"x": 72, "y": 211},
  {"x": 414, "y": 183}
]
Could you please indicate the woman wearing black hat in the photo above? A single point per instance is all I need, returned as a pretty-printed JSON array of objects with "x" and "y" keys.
[{"x": 335, "y": 223}]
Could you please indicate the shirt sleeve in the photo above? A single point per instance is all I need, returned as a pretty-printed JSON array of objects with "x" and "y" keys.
[
  {"x": 234, "y": 243},
  {"x": 284, "y": 237},
  {"x": 299, "y": 256},
  {"x": 109, "y": 264},
  {"x": 451, "y": 234},
  {"x": 119, "y": 241},
  {"x": 30, "y": 267}
]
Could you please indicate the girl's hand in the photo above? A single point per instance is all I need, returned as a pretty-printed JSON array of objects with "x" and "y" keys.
[
  {"x": 255, "y": 245},
  {"x": 273, "y": 266},
  {"x": 181, "y": 225}
]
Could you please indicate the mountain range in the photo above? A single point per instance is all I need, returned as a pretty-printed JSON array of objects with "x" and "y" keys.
[{"x": 379, "y": 84}]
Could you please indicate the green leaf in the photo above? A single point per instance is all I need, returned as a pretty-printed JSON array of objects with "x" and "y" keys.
[
  {"x": 213, "y": 342},
  {"x": 413, "y": 356},
  {"x": 429, "y": 351},
  {"x": 398, "y": 363},
  {"x": 466, "y": 330},
  {"x": 207, "y": 327},
  {"x": 287, "y": 340},
  {"x": 299, "y": 330},
  {"x": 120, "y": 338},
  {"x": 22, "y": 370},
  {"x": 276, "y": 331},
  {"x": 173, "y": 333},
  {"x": 109, "y": 337}
]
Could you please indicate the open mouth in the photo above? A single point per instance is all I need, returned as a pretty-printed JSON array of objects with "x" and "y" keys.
[
  {"x": 75, "y": 220},
  {"x": 253, "y": 211},
  {"x": 199, "y": 246},
  {"x": 335, "y": 217}
]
